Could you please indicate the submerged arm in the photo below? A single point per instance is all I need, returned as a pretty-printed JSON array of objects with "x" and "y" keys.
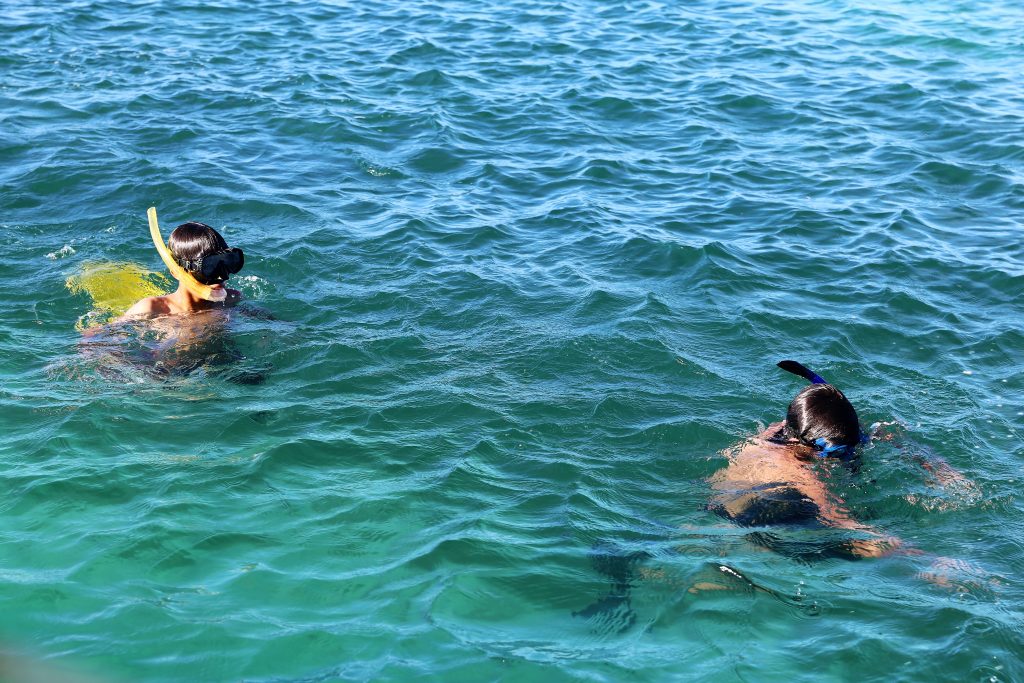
[
  {"x": 833, "y": 513},
  {"x": 944, "y": 474}
]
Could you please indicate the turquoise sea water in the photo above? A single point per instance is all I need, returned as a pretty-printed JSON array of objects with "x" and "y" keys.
[{"x": 529, "y": 267}]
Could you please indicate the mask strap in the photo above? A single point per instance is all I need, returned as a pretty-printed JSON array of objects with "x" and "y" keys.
[{"x": 825, "y": 449}]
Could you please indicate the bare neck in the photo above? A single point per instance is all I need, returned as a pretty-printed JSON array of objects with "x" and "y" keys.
[{"x": 187, "y": 302}]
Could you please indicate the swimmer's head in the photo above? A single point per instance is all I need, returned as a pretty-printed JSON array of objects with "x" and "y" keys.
[
  {"x": 191, "y": 243},
  {"x": 820, "y": 411}
]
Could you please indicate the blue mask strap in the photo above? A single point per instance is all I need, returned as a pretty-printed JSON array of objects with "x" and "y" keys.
[{"x": 826, "y": 450}]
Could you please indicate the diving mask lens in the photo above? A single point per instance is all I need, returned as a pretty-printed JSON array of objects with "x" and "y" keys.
[{"x": 216, "y": 268}]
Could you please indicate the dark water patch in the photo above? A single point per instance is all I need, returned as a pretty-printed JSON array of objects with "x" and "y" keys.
[{"x": 435, "y": 161}]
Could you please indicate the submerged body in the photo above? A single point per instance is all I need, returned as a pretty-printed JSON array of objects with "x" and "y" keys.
[
  {"x": 165, "y": 347},
  {"x": 772, "y": 482}
]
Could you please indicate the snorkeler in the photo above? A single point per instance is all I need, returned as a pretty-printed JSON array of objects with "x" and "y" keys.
[
  {"x": 174, "y": 343},
  {"x": 774, "y": 485},
  {"x": 200, "y": 260},
  {"x": 773, "y": 479}
]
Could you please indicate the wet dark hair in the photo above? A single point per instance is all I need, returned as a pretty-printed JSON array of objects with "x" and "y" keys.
[
  {"x": 192, "y": 240},
  {"x": 820, "y": 411}
]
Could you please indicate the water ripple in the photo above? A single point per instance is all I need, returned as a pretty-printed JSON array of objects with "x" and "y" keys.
[{"x": 517, "y": 274}]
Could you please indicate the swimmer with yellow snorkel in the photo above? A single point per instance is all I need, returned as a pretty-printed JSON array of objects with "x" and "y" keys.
[
  {"x": 178, "y": 341},
  {"x": 201, "y": 261}
]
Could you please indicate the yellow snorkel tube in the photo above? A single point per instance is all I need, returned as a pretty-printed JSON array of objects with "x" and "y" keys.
[{"x": 194, "y": 286}]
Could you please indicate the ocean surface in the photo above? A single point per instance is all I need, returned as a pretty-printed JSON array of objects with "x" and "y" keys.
[{"x": 517, "y": 277}]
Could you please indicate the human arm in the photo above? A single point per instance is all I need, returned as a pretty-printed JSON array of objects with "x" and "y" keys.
[
  {"x": 942, "y": 473},
  {"x": 866, "y": 541}
]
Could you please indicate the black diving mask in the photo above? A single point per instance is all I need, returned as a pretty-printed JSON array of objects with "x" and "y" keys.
[{"x": 215, "y": 268}]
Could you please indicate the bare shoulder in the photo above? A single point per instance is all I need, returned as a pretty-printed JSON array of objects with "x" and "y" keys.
[
  {"x": 771, "y": 430},
  {"x": 149, "y": 307}
]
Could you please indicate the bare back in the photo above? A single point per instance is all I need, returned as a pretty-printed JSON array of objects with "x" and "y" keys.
[{"x": 780, "y": 484}]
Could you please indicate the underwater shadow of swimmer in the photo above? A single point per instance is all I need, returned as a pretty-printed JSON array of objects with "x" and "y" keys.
[{"x": 613, "y": 613}]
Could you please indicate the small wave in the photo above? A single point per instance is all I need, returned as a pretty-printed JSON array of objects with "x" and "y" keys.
[{"x": 63, "y": 252}]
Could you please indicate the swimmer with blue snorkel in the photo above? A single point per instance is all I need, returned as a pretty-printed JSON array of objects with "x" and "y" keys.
[
  {"x": 200, "y": 260},
  {"x": 772, "y": 479},
  {"x": 775, "y": 481}
]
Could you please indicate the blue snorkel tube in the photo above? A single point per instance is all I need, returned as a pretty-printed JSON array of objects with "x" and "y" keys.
[
  {"x": 825, "y": 449},
  {"x": 801, "y": 370}
]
